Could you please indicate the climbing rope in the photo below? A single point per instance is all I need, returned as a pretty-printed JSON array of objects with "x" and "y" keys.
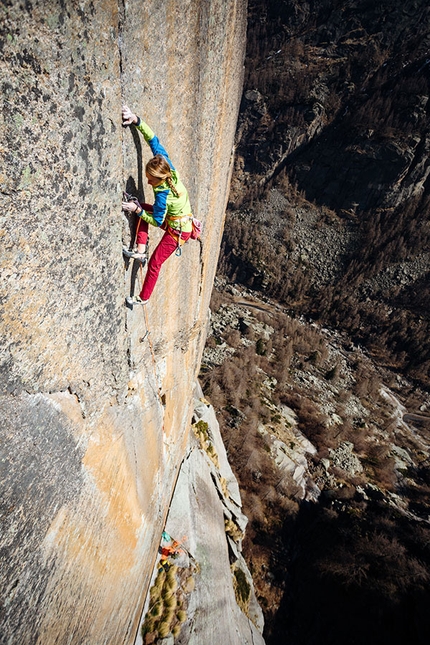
[
  {"x": 128, "y": 197},
  {"x": 148, "y": 334},
  {"x": 148, "y": 331}
]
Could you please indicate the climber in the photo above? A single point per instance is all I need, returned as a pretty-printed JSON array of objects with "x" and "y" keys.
[
  {"x": 169, "y": 551},
  {"x": 171, "y": 210}
]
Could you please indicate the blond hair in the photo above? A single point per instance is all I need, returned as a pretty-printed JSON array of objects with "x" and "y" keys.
[{"x": 159, "y": 168}]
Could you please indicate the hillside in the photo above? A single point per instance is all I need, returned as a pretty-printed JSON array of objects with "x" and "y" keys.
[
  {"x": 318, "y": 358},
  {"x": 332, "y": 454},
  {"x": 335, "y": 117}
]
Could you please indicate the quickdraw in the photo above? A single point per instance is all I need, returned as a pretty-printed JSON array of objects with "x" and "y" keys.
[{"x": 177, "y": 236}]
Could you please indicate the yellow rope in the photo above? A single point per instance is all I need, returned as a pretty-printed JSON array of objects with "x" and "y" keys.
[{"x": 145, "y": 315}]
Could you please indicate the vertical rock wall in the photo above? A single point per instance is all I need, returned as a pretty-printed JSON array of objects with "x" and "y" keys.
[
  {"x": 95, "y": 412},
  {"x": 206, "y": 497}
]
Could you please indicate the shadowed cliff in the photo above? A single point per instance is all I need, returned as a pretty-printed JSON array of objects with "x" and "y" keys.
[
  {"x": 94, "y": 418},
  {"x": 327, "y": 238}
]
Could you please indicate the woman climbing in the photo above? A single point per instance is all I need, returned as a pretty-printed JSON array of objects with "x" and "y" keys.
[{"x": 171, "y": 210}]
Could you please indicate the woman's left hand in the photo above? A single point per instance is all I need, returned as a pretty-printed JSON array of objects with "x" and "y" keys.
[{"x": 128, "y": 117}]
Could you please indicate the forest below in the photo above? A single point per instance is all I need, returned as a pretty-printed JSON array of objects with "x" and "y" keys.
[
  {"x": 336, "y": 115},
  {"x": 328, "y": 225}
]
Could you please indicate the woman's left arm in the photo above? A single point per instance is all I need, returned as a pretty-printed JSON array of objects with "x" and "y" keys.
[
  {"x": 129, "y": 118},
  {"x": 153, "y": 141}
]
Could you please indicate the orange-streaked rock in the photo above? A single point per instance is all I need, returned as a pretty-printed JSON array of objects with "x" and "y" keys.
[{"x": 95, "y": 419}]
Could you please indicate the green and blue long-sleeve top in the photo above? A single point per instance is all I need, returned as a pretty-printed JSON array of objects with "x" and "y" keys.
[{"x": 167, "y": 206}]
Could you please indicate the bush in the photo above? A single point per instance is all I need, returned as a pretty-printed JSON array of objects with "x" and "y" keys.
[
  {"x": 242, "y": 589},
  {"x": 157, "y": 610},
  {"x": 176, "y": 630},
  {"x": 164, "y": 629},
  {"x": 332, "y": 373},
  {"x": 170, "y": 602},
  {"x": 260, "y": 347},
  {"x": 181, "y": 616}
]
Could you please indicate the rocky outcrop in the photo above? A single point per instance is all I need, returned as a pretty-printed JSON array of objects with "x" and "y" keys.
[
  {"x": 346, "y": 457},
  {"x": 338, "y": 93},
  {"x": 205, "y": 515},
  {"x": 96, "y": 411},
  {"x": 330, "y": 200},
  {"x": 259, "y": 157}
]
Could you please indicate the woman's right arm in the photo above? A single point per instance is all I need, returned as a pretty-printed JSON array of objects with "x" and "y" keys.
[{"x": 147, "y": 214}]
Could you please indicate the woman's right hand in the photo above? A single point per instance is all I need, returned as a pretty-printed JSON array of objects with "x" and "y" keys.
[
  {"x": 131, "y": 207},
  {"x": 128, "y": 117}
]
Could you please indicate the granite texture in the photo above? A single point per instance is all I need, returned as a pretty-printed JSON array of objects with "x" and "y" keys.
[{"x": 95, "y": 412}]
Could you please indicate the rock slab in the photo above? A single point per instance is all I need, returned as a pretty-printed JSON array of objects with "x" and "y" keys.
[{"x": 94, "y": 418}]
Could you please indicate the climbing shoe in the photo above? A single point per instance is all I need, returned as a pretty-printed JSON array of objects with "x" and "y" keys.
[
  {"x": 134, "y": 254},
  {"x": 134, "y": 300}
]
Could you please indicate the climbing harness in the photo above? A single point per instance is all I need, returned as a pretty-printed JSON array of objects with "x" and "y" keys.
[{"x": 175, "y": 233}]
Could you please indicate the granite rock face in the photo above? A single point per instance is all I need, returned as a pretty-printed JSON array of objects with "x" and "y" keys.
[
  {"x": 95, "y": 412},
  {"x": 205, "y": 500}
]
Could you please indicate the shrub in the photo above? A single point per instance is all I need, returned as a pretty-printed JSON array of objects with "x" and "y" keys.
[
  {"x": 159, "y": 580},
  {"x": 260, "y": 347},
  {"x": 170, "y": 603},
  {"x": 164, "y": 629},
  {"x": 332, "y": 373},
  {"x": 242, "y": 589},
  {"x": 148, "y": 625},
  {"x": 157, "y": 610},
  {"x": 233, "y": 530},
  {"x": 172, "y": 571},
  {"x": 172, "y": 584},
  {"x": 176, "y": 630},
  {"x": 201, "y": 428},
  {"x": 167, "y": 593},
  {"x": 233, "y": 338},
  {"x": 181, "y": 616}
]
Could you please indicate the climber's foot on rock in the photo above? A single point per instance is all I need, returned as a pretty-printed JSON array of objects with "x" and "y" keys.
[
  {"x": 135, "y": 255},
  {"x": 135, "y": 300}
]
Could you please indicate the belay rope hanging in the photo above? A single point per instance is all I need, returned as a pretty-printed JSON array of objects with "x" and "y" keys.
[
  {"x": 148, "y": 331},
  {"x": 148, "y": 336}
]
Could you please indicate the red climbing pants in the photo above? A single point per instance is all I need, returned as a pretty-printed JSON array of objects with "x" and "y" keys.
[
  {"x": 142, "y": 232},
  {"x": 164, "y": 250}
]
